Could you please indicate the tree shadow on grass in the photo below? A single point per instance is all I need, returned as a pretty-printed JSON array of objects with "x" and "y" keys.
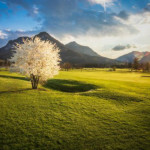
[
  {"x": 14, "y": 77},
  {"x": 146, "y": 76},
  {"x": 111, "y": 95},
  {"x": 71, "y": 86},
  {"x": 15, "y": 91},
  {"x": 22, "y": 90}
]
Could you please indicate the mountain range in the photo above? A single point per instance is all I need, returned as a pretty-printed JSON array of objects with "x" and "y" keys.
[
  {"x": 143, "y": 57},
  {"x": 72, "y": 52},
  {"x": 77, "y": 54}
]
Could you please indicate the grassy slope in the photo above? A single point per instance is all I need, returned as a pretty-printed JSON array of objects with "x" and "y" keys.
[{"x": 115, "y": 115}]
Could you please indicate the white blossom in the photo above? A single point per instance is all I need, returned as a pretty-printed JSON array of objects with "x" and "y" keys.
[{"x": 36, "y": 57}]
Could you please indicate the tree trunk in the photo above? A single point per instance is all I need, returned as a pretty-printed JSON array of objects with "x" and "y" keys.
[{"x": 34, "y": 81}]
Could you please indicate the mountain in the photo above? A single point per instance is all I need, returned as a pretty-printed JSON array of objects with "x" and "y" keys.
[
  {"x": 142, "y": 57},
  {"x": 6, "y": 51},
  {"x": 146, "y": 58},
  {"x": 81, "y": 49},
  {"x": 66, "y": 54}
]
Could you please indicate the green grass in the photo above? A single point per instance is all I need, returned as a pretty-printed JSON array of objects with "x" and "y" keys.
[{"x": 88, "y": 110}]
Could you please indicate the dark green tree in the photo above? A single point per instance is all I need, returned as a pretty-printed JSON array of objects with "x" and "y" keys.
[
  {"x": 147, "y": 67},
  {"x": 136, "y": 64}
]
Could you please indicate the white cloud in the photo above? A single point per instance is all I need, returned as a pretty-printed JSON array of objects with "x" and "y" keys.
[
  {"x": 3, "y": 35},
  {"x": 104, "y": 3},
  {"x": 35, "y": 9},
  {"x": 136, "y": 19}
]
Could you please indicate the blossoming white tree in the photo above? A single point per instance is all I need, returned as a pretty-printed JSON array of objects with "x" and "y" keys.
[{"x": 36, "y": 59}]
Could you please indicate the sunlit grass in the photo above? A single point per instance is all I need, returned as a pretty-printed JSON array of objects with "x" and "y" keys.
[{"x": 79, "y": 110}]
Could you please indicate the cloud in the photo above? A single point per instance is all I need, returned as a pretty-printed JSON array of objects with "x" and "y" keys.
[
  {"x": 147, "y": 8},
  {"x": 35, "y": 9},
  {"x": 104, "y": 3},
  {"x": 124, "y": 15},
  {"x": 123, "y": 47},
  {"x": 63, "y": 16},
  {"x": 3, "y": 35}
]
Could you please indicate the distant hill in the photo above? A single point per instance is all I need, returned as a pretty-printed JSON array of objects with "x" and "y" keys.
[
  {"x": 142, "y": 57},
  {"x": 81, "y": 49},
  {"x": 66, "y": 53}
]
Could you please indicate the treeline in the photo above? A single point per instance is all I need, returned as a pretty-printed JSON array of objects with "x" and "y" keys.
[
  {"x": 67, "y": 66},
  {"x": 4, "y": 63},
  {"x": 134, "y": 66}
]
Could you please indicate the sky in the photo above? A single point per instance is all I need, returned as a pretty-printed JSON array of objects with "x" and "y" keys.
[{"x": 110, "y": 27}]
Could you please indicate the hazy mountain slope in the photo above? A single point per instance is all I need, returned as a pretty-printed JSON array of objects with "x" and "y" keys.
[
  {"x": 81, "y": 49},
  {"x": 146, "y": 58},
  {"x": 142, "y": 56}
]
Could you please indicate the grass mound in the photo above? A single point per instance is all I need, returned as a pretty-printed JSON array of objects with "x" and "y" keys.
[{"x": 69, "y": 85}]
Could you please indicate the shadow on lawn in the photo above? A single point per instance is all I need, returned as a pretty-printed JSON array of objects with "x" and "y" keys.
[
  {"x": 15, "y": 91},
  {"x": 146, "y": 76},
  {"x": 111, "y": 95},
  {"x": 14, "y": 77},
  {"x": 69, "y": 85}
]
